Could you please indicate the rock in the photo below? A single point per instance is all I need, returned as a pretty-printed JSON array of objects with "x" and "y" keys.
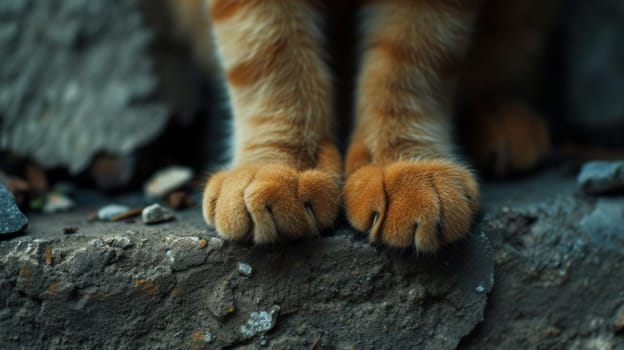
[
  {"x": 108, "y": 212},
  {"x": 178, "y": 200},
  {"x": 601, "y": 176},
  {"x": 70, "y": 230},
  {"x": 260, "y": 322},
  {"x": 156, "y": 213},
  {"x": 90, "y": 259},
  {"x": 604, "y": 226},
  {"x": 113, "y": 172},
  {"x": 12, "y": 219},
  {"x": 56, "y": 202},
  {"x": 36, "y": 177},
  {"x": 187, "y": 252},
  {"x": 119, "y": 242},
  {"x": 67, "y": 92},
  {"x": 179, "y": 281},
  {"x": 168, "y": 180},
  {"x": 245, "y": 269}
]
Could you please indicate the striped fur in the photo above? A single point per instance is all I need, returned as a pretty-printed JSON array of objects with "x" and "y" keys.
[{"x": 404, "y": 184}]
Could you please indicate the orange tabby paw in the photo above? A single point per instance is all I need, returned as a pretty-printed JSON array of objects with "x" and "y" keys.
[
  {"x": 511, "y": 139},
  {"x": 425, "y": 203},
  {"x": 264, "y": 203}
]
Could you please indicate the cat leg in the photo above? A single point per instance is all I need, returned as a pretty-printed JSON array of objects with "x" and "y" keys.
[
  {"x": 285, "y": 173},
  {"x": 405, "y": 187},
  {"x": 501, "y": 130}
]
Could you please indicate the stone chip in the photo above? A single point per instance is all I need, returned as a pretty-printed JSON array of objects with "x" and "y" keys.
[{"x": 12, "y": 219}]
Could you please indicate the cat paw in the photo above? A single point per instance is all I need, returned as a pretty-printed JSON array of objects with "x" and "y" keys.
[
  {"x": 269, "y": 202},
  {"x": 510, "y": 139},
  {"x": 425, "y": 204}
]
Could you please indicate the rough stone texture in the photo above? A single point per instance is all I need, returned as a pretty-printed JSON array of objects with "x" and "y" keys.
[
  {"x": 601, "y": 176},
  {"x": 177, "y": 285},
  {"x": 558, "y": 277},
  {"x": 595, "y": 62},
  {"x": 12, "y": 220},
  {"x": 76, "y": 80}
]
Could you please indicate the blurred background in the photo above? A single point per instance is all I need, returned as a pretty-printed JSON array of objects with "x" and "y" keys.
[{"x": 104, "y": 93}]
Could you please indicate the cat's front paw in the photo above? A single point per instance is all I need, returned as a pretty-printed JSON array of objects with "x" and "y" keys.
[
  {"x": 268, "y": 202},
  {"x": 508, "y": 139},
  {"x": 424, "y": 204}
]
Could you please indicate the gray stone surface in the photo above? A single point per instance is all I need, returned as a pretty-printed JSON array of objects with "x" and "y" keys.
[
  {"x": 76, "y": 80},
  {"x": 559, "y": 270},
  {"x": 176, "y": 285},
  {"x": 601, "y": 176},
  {"x": 12, "y": 220}
]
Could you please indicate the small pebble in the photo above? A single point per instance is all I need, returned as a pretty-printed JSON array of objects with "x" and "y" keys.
[
  {"x": 208, "y": 337},
  {"x": 12, "y": 220},
  {"x": 260, "y": 322},
  {"x": 57, "y": 202},
  {"x": 179, "y": 200},
  {"x": 120, "y": 242},
  {"x": 156, "y": 213},
  {"x": 245, "y": 269},
  {"x": 70, "y": 230},
  {"x": 480, "y": 289},
  {"x": 108, "y": 212},
  {"x": 598, "y": 177},
  {"x": 168, "y": 180}
]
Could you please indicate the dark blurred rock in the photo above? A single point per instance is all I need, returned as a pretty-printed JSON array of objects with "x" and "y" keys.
[
  {"x": 595, "y": 54},
  {"x": 601, "y": 176},
  {"x": 11, "y": 220},
  {"x": 76, "y": 80},
  {"x": 57, "y": 202},
  {"x": 113, "y": 172},
  {"x": 168, "y": 180},
  {"x": 179, "y": 200}
]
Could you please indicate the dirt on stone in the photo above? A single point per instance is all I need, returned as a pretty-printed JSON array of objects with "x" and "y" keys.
[
  {"x": 557, "y": 254},
  {"x": 178, "y": 285}
]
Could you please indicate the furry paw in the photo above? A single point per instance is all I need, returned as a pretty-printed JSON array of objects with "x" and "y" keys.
[
  {"x": 511, "y": 138},
  {"x": 264, "y": 203},
  {"x": 424, "y": 204}
]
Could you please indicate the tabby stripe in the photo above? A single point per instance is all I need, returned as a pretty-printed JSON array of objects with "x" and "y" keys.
[
  {"x": 266, "y": 62},
  {"x": 222, "y": 10}
]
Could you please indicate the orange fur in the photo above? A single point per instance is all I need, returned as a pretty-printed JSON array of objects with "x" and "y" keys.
[
  {"x": 285, "y": 176},
  {"x": 409, "y": 195},
  {"x": 405, "y": 185}
]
